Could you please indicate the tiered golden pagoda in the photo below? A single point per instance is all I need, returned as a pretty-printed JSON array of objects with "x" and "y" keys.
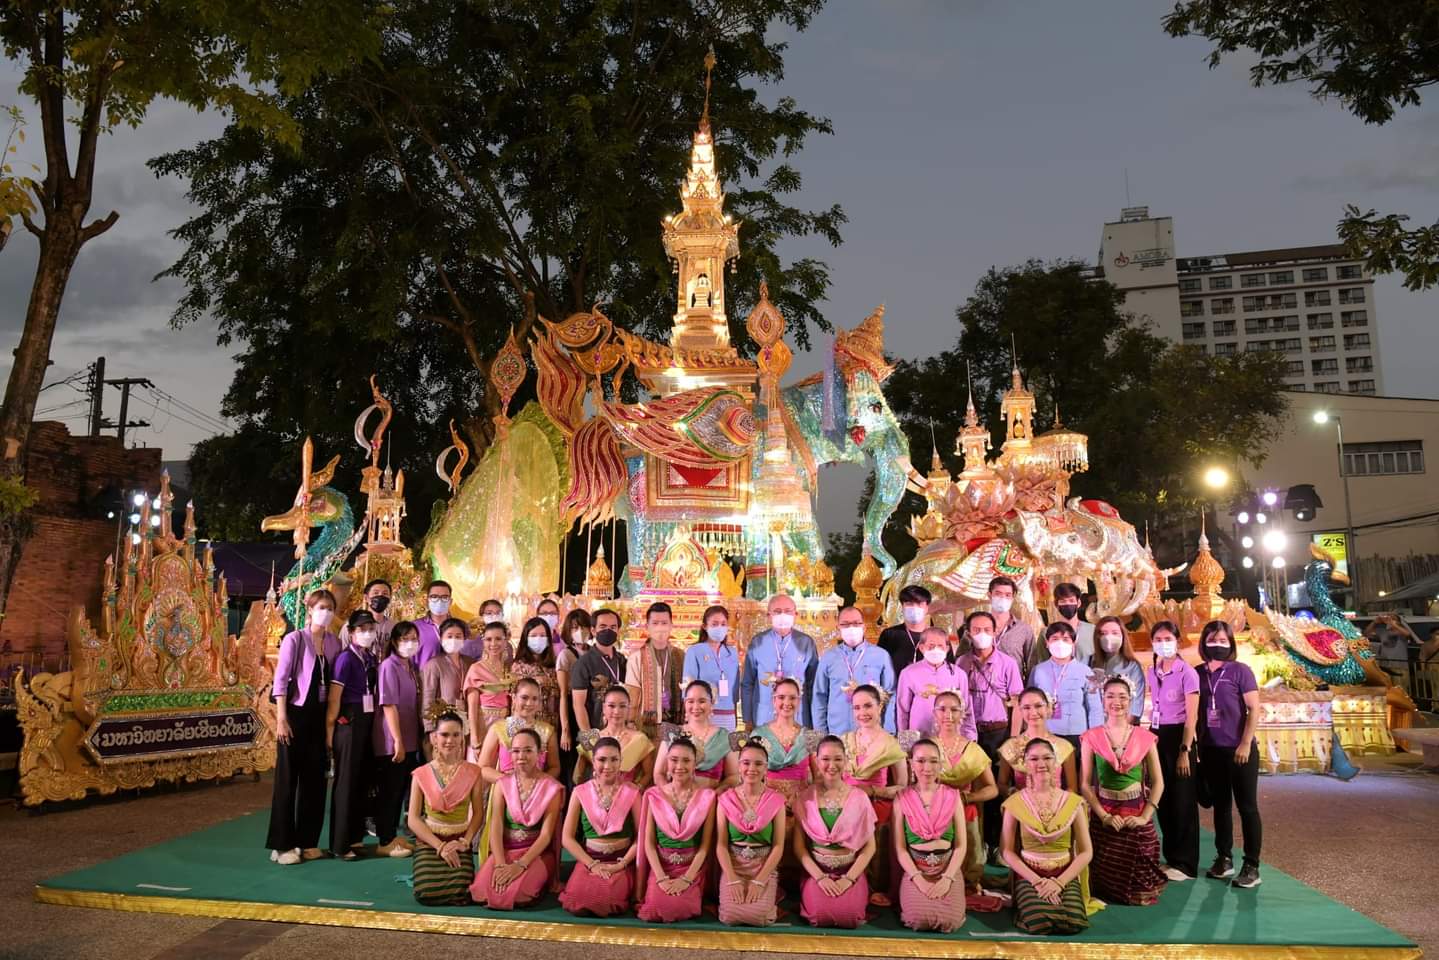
[
  {"x": 866, "y": 582},
  {"x": 1206, "y": 575},
  {"x": 599, "y": 580},
  {"x": 930, "y": 527}
]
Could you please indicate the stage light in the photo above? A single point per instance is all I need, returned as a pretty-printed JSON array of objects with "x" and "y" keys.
[
  {"x": 135, "y": 538},
  {"x": 134, "y": 518},
  {"x": 138, "y": 500},
  {"x": 1243, "y": 516},
  {"x": 110, "y": 515},
  {"x": 1260, "y": 518},
  {"x": 156, "y": 503},
  {"x": 1275, "y": 541},
  {"x": 1321, "y": 416},
  {"x": 1247, "y": 562},
  {"x": 154, "y": 519},
  {"x": 1246, "y": 542},
  {"x": 1278, "y": 563},
  {"x": 1270, "y": 498}
]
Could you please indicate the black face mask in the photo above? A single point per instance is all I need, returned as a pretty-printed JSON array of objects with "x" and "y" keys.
[
  {"x": 378, "y": 604},
  {"x": 1067, "y": 611}
]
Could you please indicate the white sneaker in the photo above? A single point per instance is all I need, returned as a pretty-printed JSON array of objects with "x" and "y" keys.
[
  {"x": 1176, "y": 874},
  {"x": 285, "y": 858}
]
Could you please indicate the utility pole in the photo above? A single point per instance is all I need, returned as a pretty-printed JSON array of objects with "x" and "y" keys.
[
  {"x": 123, "y": 423},
  {"x": 96, "y": 391}
]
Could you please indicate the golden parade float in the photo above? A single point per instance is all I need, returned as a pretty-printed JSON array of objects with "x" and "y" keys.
[{"x": 159, "y": 692}]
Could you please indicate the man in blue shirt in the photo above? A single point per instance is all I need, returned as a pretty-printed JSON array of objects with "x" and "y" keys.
[
  {"x": 779, "y": 652},
  {"x": 847, "y": 665}
]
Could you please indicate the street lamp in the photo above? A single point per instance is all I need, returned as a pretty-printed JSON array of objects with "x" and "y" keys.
[
  {"x": 1351, "y": 547},
  {"x": 1216, "y": 478}
]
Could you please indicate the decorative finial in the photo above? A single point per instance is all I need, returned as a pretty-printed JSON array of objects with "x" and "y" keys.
[
  {"x": 934, "y": 462},
  {"x": 710, "y": 61},
  {"x": 971, "y": 416}
]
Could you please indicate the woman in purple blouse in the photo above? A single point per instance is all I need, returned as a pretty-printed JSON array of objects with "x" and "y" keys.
[
  {"x": 397, "y": 735},
  {"x": 1228, "y": 756},
  {"x": 302, "y": 679}
]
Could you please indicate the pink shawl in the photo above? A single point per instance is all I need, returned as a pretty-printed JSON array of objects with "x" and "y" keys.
[
  {"x": 931, "y": 824},
  {"x": 1140, "y": 740},
  {"x": 453, "y": 794},
  {"x": 529, "y": 815},
  {"x": 611, "y": 821},
  {"x": 771, "y": 802},
  {"x": 664, "y": 812},
  {"x": 852, "y": 828}
]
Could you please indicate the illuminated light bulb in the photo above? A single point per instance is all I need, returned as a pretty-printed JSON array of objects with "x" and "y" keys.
[
  {"x": 1275, "y": 541},
  {"x": 1260, "y": 518},
  {"x": 1278, "y": 563},
  {"x": 1243, "y": 516},
  {"x": 1246, "y": 542},
  {"x": 1247, "y": 562}
]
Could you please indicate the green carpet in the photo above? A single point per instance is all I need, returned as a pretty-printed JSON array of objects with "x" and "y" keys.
[{"x": 225, "y": 871}]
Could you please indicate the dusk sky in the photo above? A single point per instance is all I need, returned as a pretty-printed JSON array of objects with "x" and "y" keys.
[{"x": 967, "y": 134}]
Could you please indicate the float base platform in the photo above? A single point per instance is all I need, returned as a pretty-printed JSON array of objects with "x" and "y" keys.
[{"x": 225, "y": 872}]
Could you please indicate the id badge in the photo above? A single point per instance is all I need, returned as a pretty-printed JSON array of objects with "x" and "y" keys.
[
  {"x": 367, "y": 703},
  {"x": 723, "y": 692},
  {"x": 1213, "y": 718},
  {"x": 1058, "y": 711}
]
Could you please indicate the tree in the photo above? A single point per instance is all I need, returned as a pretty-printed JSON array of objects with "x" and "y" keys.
[
  {"x": 106, "y": 62},
  {"x": 500, "y": 162},
  {"x": 1374, "y": 58}
]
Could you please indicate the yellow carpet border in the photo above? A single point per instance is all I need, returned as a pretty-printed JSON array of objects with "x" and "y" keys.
[{"x": 770, "y": 942}]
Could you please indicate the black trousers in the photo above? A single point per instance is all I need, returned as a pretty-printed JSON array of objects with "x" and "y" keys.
[
  {"x": 393, "y": 780},
  {"x": 354, "y": 755},
  {"x": 297, "y": 806},
  {"x": 990, "y": 741},
  {"x": 1229, "y": 781},
  {"x": 1178, "y": 807}
]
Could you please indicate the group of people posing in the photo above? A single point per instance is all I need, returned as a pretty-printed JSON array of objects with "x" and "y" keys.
[{"x": 867, "y": 778}]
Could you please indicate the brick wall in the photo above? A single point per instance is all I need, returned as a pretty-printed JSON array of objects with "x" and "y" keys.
[{"x": 64, "y": 562}]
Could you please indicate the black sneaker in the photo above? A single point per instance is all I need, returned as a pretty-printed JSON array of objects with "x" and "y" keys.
[
  {"x": 1223, "y": 867},
  {"x": 370, "y": 827},
  {"x": 1248, "y": 877}
]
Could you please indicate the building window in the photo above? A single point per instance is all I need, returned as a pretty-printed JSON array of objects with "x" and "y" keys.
[
  {"x": 1352, "y": 295},
  {"x": 1316, "y": 274},
  {"x": 1359, "y": 364},
  {"x": 1288, "y": 345},
  {"x": 1326, "y": 386},
  {"x": 1225, "y": 305},
  {"x": 1291, "y": 322},
  {"x": 1194, "y": 331},
  {"x": 1225, "y": 349},
  {"x": 1191, "y": 285},
  {"x": 1256, "y": 325},
  {"x": 1324, "y": 366},
  {"x": 1252, "y": 280},
  {"x": 1256, "y": 346},
  {"x": 1351, "y": 272},
  {"x": 1320, "y": 321},
  {"x": 1321, "y": 344},
  {"x": 1282, "y": 276},
  {"x": 1221, "y": 283},
  {"x": 1294, "y": 368},
  {"x": 1283, "y": 301},
  {"x": 1253, "y": 303},
  {"x": 1361, "y": 386},
  {"x": 1296, "y": 387},
  {"x": 1391, "y": 458},
  {"x": 1316, "y": 298},
  {"x": 1356, "y": 341},
  {"x": 1354, "y": 318},
  {"x": 1224, "y": 328},
  {"x": 1191, "y": 308}
]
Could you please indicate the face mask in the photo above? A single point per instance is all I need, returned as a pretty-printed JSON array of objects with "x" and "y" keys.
[
  {"x": 1109, "y": 643},
  {"x": 934, "y": 656},
  {"x": 538, "y": 643},
  {"x": 1218, "y": 646},
  {"x": 782, "y": 621},
  {"x": 1061, "y": 649},
  {"x": 320, "y": 616},
  {"x": 452, "y": 644},
  {"x": 408, "y": 648},
  {"x": 1166, "y": 649},
  {"x": 981, "y": 641},
  {"x": 852, "y": 636},
  {"x": 494, "y": 616},
  {"x": 577, "y": 636},
  {"x": 439, "y": 606},
  {"x": 913, "y": 615},
  {"x": 379, "y": 604},
  {"x": 717, "y": 634},
  {"x": 364, "y": 640},
  {"x": 1069, "y": 610},
  {"x": 551, "y": 619},
  {"x": 1001, "y": 604}
]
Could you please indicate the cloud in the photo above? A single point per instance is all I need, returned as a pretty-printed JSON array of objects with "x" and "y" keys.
[{"x": 1421, "y": 176}]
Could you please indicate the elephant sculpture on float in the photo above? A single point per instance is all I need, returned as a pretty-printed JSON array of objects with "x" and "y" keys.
[{"x": 1089, "y": 541}]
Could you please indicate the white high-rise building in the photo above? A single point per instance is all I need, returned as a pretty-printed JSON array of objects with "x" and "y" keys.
[{"x": 1313, "y": 304}]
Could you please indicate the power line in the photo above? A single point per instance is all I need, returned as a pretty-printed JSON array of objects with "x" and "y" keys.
[{"x": 218, "y": 423}]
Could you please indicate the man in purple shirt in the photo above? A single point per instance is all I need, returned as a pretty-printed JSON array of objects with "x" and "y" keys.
[
  {"x": 927, "y": 678},
  {"x": 437, "y": 599},
  {"x": 994, "y": 683},
  {"x": 1174, "y": 687}
]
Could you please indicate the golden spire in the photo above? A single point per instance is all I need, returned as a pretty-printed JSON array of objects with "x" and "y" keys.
[
  {"x": 973, "y": 443},
  {"x": 1206, "y": 575},
  {"x": 1017, "y": 406},
  {"x": 710, "y": 61}
]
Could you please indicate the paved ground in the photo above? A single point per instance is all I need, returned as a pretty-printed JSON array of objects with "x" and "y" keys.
[{"x": 1376, "y": 851}]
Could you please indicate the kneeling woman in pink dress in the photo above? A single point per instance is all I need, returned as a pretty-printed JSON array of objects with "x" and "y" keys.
[
  {"x": 929, "y": 843},
  {"x": 599, "y": 833},
  {"x": 524, "y": 813},
  {"x": 834, "y": 840},
  {"x": 679, "y": 826},
  {"x": 751, "y": 825}
]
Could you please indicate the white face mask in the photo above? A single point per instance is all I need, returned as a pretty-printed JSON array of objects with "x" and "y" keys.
[
  {"x": 782, "y": 621},
  {"x": 439, "y": 606},
  {"x": 1110, "y": 643},
  {"x": 320, "y": 616},
  {"x": 577, "y": 636},
  {"x": 914, "y": 615},
  {"x": 1061, "y": 649},
  {"x": 935, "y": 656},
  {"x": 551, "y": 619},
  {"x": 717, "y": 634},
  {"x": 852, "y": 636},
  {"x": 537, "y": 643},
  {"x": 1166, "y": 649},
  {"x": 364, "y": 639},
  {"x": 452, "y": 644},
  {"x": 1001, "y": 604},
  {"x": 981, "y": 641},
  {"x": 408, "y": 648}
]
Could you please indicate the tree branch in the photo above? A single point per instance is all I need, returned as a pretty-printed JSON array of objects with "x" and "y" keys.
[
  {"x": 98, "y": 227},
  {"x": 30, "y": 225}
]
